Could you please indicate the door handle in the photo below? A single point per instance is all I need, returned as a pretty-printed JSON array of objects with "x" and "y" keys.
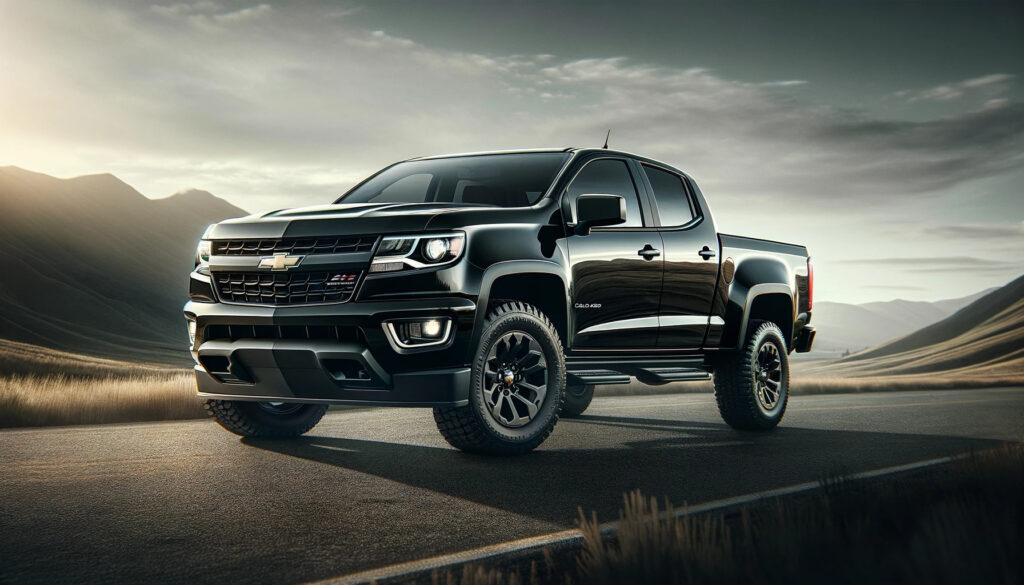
[
  {"x": 649, "y": 252},
  {"x": 706, "y": 253}
]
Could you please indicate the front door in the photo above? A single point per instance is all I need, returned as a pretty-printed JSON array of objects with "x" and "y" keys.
[{"x": 616, "y": 270}]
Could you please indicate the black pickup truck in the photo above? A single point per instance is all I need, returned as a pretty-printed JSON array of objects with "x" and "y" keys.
[{"x": 496, "y": 288}]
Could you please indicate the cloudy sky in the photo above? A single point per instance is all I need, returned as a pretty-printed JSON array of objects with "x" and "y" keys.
[{"x": 888, "y": 137}]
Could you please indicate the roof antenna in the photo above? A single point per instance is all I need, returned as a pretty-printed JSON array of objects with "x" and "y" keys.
[{"x": 606, "y": 138}]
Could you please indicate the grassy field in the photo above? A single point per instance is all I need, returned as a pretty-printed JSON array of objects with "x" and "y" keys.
[
  {"x": 816, "y": 381},
  {"x": 25, "y": 359},
  {"x": 40, "y": 387},
  {"x": 60, "y": 400},
  {"x": 963, "y": 523}
]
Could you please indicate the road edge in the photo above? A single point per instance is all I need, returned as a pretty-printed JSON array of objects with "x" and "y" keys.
[{"x": 572, "y": 536}]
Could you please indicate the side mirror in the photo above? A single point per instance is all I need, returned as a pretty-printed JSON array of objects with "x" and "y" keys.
[{"x": 593, "y": 210}]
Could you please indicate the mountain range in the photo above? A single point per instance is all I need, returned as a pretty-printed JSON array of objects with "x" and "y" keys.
[
  {"x": 847, "y": 328},
  {"x": 985, "y": 339},
  {"x": 93, "y": 266}
]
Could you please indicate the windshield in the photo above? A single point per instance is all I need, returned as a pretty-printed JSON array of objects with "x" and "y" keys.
[{"x": 502, "y": 180}]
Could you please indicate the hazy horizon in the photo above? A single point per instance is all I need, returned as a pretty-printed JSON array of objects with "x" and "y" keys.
[{"x": 892, "y": 152}]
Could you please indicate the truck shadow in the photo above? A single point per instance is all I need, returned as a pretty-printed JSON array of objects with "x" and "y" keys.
[{"x": 582, "y": 466}]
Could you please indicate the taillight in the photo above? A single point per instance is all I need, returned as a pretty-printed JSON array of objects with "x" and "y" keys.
[{"x": 810, "y": 284}]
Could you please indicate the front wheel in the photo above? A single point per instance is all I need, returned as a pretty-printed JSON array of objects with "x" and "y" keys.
[
  {"x": 276, "y": 420},
  {"x": 517, "y": 385},
  {"x": 752, "y": 385}
]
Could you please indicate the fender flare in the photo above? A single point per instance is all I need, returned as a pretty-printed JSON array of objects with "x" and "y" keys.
[
  {"x": 753, "y": 278},
  {"x": 755, "y": 291},
  {"x": 516, "y": 267}
]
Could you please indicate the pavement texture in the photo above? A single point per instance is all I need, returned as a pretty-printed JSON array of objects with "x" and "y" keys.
[{"x": 188, "y": 502}]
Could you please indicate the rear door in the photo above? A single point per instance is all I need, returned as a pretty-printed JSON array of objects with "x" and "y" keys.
[
  {"x": 691, "y": 259},
  {"x": 615, "y": 270}
]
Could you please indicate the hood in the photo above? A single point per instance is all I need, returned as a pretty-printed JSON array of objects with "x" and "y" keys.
[{"x": 340, "y": 220}]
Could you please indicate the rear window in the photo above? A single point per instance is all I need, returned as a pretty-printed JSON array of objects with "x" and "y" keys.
[{"x": 670, "y": 194}]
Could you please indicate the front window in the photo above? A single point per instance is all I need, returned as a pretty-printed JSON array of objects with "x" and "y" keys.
[
  {"x": 501, "y": 180},
  {"x": 612, "y": 177}
]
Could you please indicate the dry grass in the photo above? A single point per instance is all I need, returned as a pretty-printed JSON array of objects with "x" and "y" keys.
[
  {"x": 963, "y": 523},
  {"x": 837, "y": 385},
  {"x": 25, "y": 359},
  {"x": 804, "y": 381},
  {"x": 61, "y": 400},
  {"x": 41, "y": 386}
]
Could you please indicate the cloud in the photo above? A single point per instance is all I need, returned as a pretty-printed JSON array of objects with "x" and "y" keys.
[
  {"x": 892, "y": 287},
  {"x": 304, "y": 91},
  {"x": 978, "y": 231},
  {"x": 987, "y": 80},
  {"x": 244, "y": 14},
  {"x": 952, "y": 264},
  {"x": 184, "y": 8},
  {"x": 783, "y": 83},
  {"x": 957, "y": 90}
]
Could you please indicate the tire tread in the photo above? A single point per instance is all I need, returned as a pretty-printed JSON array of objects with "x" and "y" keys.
[
  {"x": 735, "y": 388},
  {"x": 460, "y": 425}
]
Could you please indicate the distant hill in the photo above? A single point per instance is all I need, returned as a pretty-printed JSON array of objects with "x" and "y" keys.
[
  {"x": 985, "y": 338},
  {"x": 845, "y": 327},
  {"x": 91, "y": 265}
]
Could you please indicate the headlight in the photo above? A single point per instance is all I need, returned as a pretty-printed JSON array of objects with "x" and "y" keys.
[
  {"x": 435, "y": 249},
  {"x": 413, "y": 252},
  {"x": 203, "y": 256}
]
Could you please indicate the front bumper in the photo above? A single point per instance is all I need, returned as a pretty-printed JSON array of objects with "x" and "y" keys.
[{"x": 359, "y": 367}]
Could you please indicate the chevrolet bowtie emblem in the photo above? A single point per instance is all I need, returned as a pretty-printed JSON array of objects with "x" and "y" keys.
[{"x": 280, "y": 261}]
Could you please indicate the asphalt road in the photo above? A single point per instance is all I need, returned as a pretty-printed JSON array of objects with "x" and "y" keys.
[{"x": 188, "y": 502}]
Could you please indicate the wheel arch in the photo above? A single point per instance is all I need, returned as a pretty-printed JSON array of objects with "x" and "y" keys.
[
  {"x": 537, "y": 282},
  {"x": 772, "y": 305},
  {"x": 768, "y": 301}
]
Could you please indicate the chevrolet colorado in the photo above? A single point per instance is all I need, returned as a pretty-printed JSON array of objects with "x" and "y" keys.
[{"x": 498, "y": 289}]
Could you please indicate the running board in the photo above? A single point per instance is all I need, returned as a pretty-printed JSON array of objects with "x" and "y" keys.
[
  {"x": 656, "y": 376},
  {"x": 652, "y": 376},
  {"x": 582, "y": 377}
]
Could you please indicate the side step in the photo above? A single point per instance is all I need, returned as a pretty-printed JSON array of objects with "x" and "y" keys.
[
  {"x": 655, "y": 376},
  {"x": 577, "y": 377},
  {"x": 652, "y": 376}
]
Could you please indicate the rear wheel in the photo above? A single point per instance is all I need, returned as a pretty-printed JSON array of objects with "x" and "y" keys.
[
  {"x": 279, "y": 420},
  {"x": 517, "y": 387},
  {"x": 577, "y": 399},
  {"x": 752, "y": 385}
]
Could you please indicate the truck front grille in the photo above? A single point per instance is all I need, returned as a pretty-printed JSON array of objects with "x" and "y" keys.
[
  {"x": 304, "y": 246},
  {"x": 291, "y": 288}
]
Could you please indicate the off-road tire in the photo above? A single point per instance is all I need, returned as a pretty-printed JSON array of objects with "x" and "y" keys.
[
  {"x": 736, "y": 382},
  {"x": 577, "y": 399},
  {"x": 471, "y": 428},
  {"x": 248, "y": 419}
]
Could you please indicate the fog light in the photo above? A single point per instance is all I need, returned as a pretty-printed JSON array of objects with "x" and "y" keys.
[
  {"x": 432, "y": 328},
  {"x": 409, "y": 334}
]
